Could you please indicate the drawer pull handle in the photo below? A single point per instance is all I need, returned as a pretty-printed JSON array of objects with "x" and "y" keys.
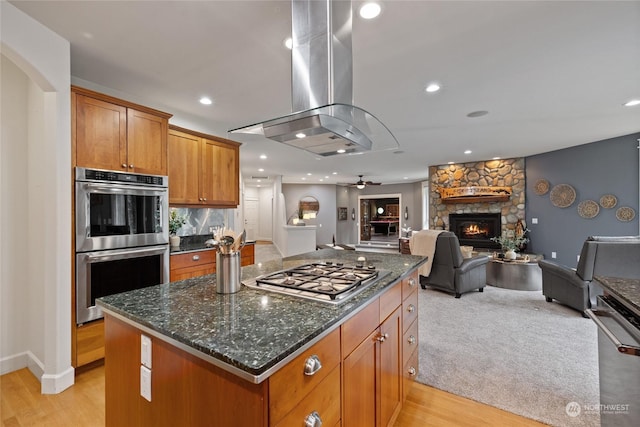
[
  {"x": 124, "y": 165},
  {"x": 411, "y": 308},
  {"x": 312, "y": 365},
  {"x": 412, "y": 282},
  {"x": 383, "y": 337},
  {"x": 412, "y": 371},
  {"x": 196, "y": 258},
  {"x": 131, "y": 166},
  {"x": 313, "y": 420},
  {"x": 412, "y": 339}
]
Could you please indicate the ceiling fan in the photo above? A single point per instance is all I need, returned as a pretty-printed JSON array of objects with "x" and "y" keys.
[{"x": 361, "y": 184}]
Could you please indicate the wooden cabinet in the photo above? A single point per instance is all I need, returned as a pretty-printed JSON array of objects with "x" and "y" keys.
[
  {"x": 113, "y": 134},
  {"x": 352, "y": 377},
  {"x": 308, "y": 386},
  {"x": 204, "y": 170},
  {"x": 372, "y": 378},
  {"x": 409, "y": 331},
  {"x": 403, "y": 246},
  {"x": 192, "y": 264},
  {"x": 248, "y": 254},
  {"x": 89, "y": 342}
]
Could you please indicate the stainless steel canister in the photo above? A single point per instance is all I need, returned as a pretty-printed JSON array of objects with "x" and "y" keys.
[{"x": 227, "y": 272}]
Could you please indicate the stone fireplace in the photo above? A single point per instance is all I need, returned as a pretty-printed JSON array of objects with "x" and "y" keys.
[
  {"x": 476, "y": 229},
  {"x": 501, "y": 172}
]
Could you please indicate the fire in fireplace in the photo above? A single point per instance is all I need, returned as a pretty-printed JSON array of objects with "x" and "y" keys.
[{"x": 476, "y": 229}]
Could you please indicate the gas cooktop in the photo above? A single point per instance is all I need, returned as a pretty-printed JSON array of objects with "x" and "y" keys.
[{"x": 327, "y": 281}]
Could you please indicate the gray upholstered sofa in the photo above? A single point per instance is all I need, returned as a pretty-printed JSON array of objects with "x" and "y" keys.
[
  {"x": 617, "y": 256},
  {"x": 451, "y": 272}
]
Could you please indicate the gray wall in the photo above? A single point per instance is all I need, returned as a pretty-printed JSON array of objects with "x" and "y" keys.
[
  {"x": 327, "y": 215},
  {"x": 331, "y": 197},
  {"x": 593, "y": 170}
]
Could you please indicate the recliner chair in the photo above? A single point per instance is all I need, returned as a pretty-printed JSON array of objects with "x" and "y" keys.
[
  {"x": 451, "y": 272},
  {"x": 617, "y": 256}
]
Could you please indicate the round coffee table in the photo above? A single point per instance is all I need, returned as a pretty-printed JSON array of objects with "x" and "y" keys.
[{"x": 518, "y": 275}]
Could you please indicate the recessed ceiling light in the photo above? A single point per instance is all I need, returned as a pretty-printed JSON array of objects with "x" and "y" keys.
[
  {"x": 326, "y": 177},
  {"x": 288, "y": 43},
  {"x": 341, "y": 151},
  {"x": 308, "y": 173},
  {"x": 370, "y": 10},
  {"x": 632, "y": 103},
  {"x": 263, "y": 156},
  {"x": 321, "y": 180},
  {"x": 478, "y": 113},
  {"x": 259, "y": 180},
  {"x": 432, "y": 87},
  {"x": 261, "y": 170},
  {"x": 304, "y": 179},
  {"x": 406, "y": 177},
  {"x": 335, "y": 173},
  {"x": 206, "y": 101},
  {"x": 496, "y": 158},
  {"x": 467, "y": 151},
  {"x": 450, "y": 163},
  {"x": 300, "y": 135}
]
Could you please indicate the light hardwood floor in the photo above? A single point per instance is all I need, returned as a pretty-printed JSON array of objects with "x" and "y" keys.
[{"x": 83, "y": 405}]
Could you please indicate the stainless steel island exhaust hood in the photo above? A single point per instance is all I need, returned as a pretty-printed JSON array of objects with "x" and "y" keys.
[{"x": 324, "y": 121}]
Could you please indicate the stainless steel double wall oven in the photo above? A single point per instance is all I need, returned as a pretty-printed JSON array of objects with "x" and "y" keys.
[{"x": 122, "y": 235}]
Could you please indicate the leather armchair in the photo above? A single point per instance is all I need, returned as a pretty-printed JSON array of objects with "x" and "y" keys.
[
  {"x": 451, "y": 272},
  {"x": 616, "y": 256}
]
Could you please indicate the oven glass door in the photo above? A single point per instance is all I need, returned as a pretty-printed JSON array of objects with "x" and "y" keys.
[
  {"x": 104, "y": 273},
  {"x": 119, "y": 215}
]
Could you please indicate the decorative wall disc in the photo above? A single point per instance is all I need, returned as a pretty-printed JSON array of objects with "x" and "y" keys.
[
  {"x": 588, "y": 209},
  {"x": 562, "y": 195},
  {"x": 542, "y": 187},
  {"x": 625, "y": 214},
  {"x": 608, "y": 201}
]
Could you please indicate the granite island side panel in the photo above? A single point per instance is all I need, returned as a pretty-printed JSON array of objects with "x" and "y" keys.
[{"x": 250, "y": 333}]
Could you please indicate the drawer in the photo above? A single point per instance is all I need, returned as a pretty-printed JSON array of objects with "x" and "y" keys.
[
  {"x": 289, "y": 386},
  {"x": 390, "y": 300},
  {"x": 409, "y": 284},
  {"x": 409, "y": 374},
  {"x": 359, "y": 327},
  {"x": 192, "y": 259},
  {"x": 324, "y": 401},
  {"x": 409, "y": 341},
  {"x": 409, "y": 310}
]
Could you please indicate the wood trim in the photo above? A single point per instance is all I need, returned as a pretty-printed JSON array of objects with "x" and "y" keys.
[
  {"x": 119, "y": 101},
  {"x": 475, "y": 194}
]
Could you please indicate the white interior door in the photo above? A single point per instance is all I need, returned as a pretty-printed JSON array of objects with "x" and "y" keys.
[{"x": 251, "y": 218}]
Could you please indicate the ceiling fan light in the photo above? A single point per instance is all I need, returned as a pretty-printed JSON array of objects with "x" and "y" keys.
[{"x": 359, "y": 186}]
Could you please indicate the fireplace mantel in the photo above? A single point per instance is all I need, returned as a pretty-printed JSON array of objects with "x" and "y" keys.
[{"x": 474, "y": 194}]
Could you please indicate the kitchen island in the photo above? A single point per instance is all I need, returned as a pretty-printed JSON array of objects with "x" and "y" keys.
[{"x": 240, "y": 359}]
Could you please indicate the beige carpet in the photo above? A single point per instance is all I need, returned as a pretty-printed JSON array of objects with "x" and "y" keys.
[{"x": 512, "y": 350}]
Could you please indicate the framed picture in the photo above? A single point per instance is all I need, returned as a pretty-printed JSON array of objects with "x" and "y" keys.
[{"x": 342, "y": 214}]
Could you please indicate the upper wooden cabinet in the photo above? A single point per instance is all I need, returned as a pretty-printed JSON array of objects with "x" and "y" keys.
[
  {"x": 109, "y": 133},
  {"x": 204, "y": 170}
]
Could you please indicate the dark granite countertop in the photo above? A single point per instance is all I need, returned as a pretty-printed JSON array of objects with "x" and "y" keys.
[
  {"x": 195, "y": 244},
  {"x": 627, "y": 291},
  {"x": 251, "y": 333}
]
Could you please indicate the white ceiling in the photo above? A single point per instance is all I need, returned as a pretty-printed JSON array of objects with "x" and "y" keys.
[{"x": 552, "y": 74}]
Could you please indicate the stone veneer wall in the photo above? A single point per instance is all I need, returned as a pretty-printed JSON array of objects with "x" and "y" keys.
[{"x": 507, "y": 172}]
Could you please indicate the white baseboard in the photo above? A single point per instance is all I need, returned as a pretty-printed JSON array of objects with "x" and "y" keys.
[
  {"x": 49, "y": 383},
  {"x": 13, "y": 363},
  {"x": 54, "y": 384}
]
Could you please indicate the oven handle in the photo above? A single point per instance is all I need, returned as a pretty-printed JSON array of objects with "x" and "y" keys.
[
  {"x": 128, "y": 253},
  {"x": 115, "y": 188},
  {"x": 622, "y": 348}
]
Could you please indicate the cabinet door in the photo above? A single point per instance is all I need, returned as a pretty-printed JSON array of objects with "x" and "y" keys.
[
  {"x": 390, "y": 368},
  {"x": 359, "y": 376},
  {"x": 146, "y": 143},
  {"x": 184, "y": 167},
  {"x": 220, "y": 173},
  {"x": 101, "y": 134}
]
